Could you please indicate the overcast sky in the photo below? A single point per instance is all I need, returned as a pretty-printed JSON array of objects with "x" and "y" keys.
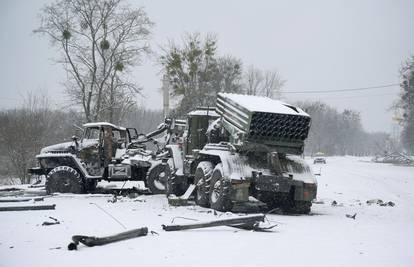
[{"x": 315, "y": 45}]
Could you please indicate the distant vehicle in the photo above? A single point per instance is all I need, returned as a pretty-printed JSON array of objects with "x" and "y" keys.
[{"x": 320, "y": 158}]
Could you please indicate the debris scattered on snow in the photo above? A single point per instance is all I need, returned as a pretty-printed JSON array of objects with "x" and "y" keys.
[
  {"x": 23, "y": 208},
  {"x": 243, "y": 222},
  {"x": 55, "y": 221},
  {"x": 91, "y": 241},
  {"x": 351, "y": 216},
  {"x": 380, "y": 202},
  {"x": 8, "y": 189},
  {"x": 21, "y": 199},
  {"x": 318, "y": 202},
  {"x": 114, "y": 199},
  {"x": 389, "y": 203},
  {"x": 185, "y": 218}
]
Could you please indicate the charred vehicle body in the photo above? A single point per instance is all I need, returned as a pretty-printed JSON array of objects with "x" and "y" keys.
[
  {"x": 248, "y": 146},
  {"x": 105, "y": 152}
]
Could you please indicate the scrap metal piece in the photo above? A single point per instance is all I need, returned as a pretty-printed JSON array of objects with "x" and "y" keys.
[
  {"x": 238, "y": 221},
  {"x": 21, "y": 199},
  {"x": 22, "y": 208},
  {"x": 91, "y": 241}
]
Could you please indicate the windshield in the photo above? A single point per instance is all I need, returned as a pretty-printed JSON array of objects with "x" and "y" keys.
[{"x": 91, "y": 134}]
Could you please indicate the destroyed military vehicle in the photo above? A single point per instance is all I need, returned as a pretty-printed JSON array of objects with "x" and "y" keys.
[
  {"x": 105, "y": 152},
  {"x": 248, "y": 146}
]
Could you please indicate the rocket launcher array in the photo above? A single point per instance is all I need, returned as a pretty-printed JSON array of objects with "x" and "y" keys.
[{"x": 260, "y": 120}]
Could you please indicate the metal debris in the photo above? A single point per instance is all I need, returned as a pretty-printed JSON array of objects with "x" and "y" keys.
[
  {"x": 91, "y": 241},
  {"x": 23, "y": 208},
  {"x": 244, "y": 222}
]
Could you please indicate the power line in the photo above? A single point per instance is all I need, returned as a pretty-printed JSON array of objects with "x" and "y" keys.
[
  {"x": 342, "y": 90},
  {"x": 358, "y": 96}
]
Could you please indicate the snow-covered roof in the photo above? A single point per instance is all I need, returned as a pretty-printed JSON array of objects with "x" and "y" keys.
[
  {"x": 263, "y": 104},
  {"x": 98, "y": 124}
]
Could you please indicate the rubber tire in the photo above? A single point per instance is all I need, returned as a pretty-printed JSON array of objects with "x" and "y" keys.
[
  {"x": 202, "y": 176},
  {"x": 220, "y": 191},
  {"x": 154, "y": 178},
  {"x": 64, "y": 179}
]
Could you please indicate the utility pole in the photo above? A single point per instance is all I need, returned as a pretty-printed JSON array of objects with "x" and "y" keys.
[{"x": 166, "y": 95}]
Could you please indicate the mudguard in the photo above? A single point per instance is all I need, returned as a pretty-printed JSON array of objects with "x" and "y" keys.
[{"x": 74, "y": 160}]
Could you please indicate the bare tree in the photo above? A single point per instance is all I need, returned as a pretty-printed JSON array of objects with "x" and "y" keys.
[
  {"x": 23, "y": 133},
  {"x": 263, "y": 83},
  {"x": 99, "y": 42},
  {"x": 406, "y": 103},
  {"x": 253, "y": 81}
]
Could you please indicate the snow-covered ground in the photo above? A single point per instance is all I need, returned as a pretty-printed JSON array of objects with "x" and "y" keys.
[{"x": 379, "y": 236}]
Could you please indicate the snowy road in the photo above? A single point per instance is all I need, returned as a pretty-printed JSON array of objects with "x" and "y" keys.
[{"x": 379, "y": 236}]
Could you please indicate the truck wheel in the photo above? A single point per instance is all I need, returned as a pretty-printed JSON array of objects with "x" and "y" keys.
[
  {"x": 202, "y": 179},
  {"x": 64, "y": 179},
  {"x": 220, "y": 189},
  {"x": 157, "y": 178}
]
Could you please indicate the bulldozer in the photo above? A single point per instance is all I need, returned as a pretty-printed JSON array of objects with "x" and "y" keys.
[
  {"x": 105, "y": 152},
  {"x": 246, "y": 147}
]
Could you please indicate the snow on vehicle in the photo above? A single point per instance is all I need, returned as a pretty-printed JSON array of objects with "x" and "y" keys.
[
  {"x": 247, "y": 146},
  {"x": 105, "y": 152}
]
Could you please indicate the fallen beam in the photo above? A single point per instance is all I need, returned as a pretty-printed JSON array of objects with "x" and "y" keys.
[
  {"x": 22, "y": 208},
  {"x": 92, "y": 241},
  {"x": 22, "y": 193},
  {"x": 21, "y": 199},
  {"x": 242, "y": 222}
]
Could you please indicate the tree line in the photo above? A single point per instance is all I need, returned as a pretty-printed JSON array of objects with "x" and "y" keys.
[{"x": 341, "y": 133}]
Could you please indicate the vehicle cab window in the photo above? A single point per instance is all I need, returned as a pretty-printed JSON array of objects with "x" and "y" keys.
[{"x": 91, "y": 134}]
